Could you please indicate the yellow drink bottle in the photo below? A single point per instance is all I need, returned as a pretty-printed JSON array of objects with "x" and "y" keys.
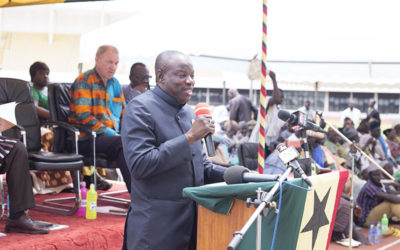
[{"x": 91, "y": 203}]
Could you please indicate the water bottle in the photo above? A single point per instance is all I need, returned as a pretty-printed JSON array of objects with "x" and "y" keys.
[
  {"x": 91, "y": 203},
  {"x": 384, "y": 223},
  {"x": 371, "y": 234},
  {"x": 82, "y": 209},
  {"x": 378, "y": 234}
]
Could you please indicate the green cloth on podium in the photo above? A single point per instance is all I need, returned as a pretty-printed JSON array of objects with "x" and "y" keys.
[{"x": 219, "y": 198}]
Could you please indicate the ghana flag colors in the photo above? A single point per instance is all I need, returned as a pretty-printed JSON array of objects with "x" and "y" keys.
[
  {"x": 306, "y": 216},
  {"x": 11, "y": 3}
]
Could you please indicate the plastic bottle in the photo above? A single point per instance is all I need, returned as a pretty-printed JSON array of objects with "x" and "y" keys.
[
  {"x": 82, "y": 209},
  {"x": 371, "y": 234},
  {"x": 91, "y": 203},
  {"x": 384, "y": 223},
  {"x": 378, "y": 234}
]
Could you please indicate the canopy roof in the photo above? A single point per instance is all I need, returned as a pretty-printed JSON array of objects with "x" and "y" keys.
[{"x": 11, "y": 3}]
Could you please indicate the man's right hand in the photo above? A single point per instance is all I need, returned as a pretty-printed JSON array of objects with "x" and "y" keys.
[
  {"x": 202, "y": 126},
  {"x": 271, "y": 74}
]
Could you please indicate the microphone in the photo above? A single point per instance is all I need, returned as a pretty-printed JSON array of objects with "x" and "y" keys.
[
  {"x": 293, "y": 119},
  {"x": 288, "y": 156},
  {"x": 314, "y": 134},
  {"x": 239, "y": 174},
  {"x": 203, "y": 109}
]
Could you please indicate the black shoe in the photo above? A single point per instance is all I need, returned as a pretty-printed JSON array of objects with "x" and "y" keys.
[
  {"x": 24, "y": 224},
  {"x": 102, "y": 183}
]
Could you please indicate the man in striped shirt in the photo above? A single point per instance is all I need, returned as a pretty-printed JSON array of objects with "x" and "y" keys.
[
  {"x": 98, "y": 102},
  {"x": 375, "y": 200}
]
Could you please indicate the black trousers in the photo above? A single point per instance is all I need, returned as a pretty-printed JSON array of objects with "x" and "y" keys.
[
  {"x": 111, "y": 146},
  {"x": 19, "y": 182}
]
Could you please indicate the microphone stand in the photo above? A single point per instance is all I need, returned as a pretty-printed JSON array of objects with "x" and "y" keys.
[
  {"x": 305, "y": 145},
  {"x": 351, "y": 201},
  {"x": 262, "y": 202}
]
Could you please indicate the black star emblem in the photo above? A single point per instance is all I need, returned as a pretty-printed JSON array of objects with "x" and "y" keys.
[{"x": 318, "y": 218}]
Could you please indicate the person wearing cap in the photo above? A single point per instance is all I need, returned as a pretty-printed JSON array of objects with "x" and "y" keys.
[
  {"x": 139, "y": 78},
  {"x": 376, "y": 199},
  {"x": 351, "y": 112}
]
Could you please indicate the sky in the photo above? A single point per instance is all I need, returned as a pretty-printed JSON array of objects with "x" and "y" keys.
[{"x": 310, "y": 30}]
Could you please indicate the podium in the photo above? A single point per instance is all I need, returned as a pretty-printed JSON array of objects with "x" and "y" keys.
[
  {"x": 306, "y": 217},
  {"x": 215, "y": 230}
]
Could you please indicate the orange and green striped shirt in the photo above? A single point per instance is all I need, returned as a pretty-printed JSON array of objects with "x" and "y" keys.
[{"x": 96, "y": 106}]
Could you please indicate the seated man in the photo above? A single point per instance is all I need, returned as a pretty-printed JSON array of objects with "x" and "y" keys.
[
  {"x": 139, "y": 77},
  {"x": 98, "y": 102},
  {"x": 374, "y": 143},
  {"x": 375, "y": 199},
  {"x": 14, "y": 162}
]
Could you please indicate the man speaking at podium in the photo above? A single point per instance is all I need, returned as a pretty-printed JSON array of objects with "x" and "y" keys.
[{"x": 162, "y": 146}]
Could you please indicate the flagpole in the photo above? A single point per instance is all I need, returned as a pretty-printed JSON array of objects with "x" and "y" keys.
[{"x": 263, "y": 93}]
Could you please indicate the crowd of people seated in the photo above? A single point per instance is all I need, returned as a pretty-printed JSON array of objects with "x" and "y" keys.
[{"x": 330, "y": 152}]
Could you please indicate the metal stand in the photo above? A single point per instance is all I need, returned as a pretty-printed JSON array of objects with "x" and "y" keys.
[
  {"x": 262, "y": 202},
  {"x": 351, "y": 202},
  {"x": 305, "y": 145}
]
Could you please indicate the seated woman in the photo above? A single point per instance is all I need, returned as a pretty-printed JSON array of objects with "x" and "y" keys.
[{"x": 45, "y": 181}]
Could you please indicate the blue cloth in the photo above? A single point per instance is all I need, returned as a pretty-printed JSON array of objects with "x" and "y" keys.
[
  {"x": 114, "y": 90},
  {"x": 318, "y": 155},
  {"x": 273, "y": 164},
  {"x": 385, "y": 150}
]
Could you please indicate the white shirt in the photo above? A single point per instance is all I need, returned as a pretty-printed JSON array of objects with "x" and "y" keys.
[
  {"x": 311, "y": 114},
  {"x": 354, "y": 115}
]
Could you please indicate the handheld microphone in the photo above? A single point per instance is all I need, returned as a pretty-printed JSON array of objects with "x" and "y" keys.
[
  {"x": 239, "y": 174},
  {"x": 288, "y": 156},
  {"x": 293, "y": 119},
  {"x": 203, "y": 109}
]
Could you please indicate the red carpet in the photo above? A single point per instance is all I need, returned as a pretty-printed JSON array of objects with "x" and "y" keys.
[{"x": 106, "y": 232}]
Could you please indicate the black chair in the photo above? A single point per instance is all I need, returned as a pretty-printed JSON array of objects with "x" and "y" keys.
[
  {"x": 14, "y": 90},
  {"x": 248, "y": 155},
  {"x": 59, "y": 100}
]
